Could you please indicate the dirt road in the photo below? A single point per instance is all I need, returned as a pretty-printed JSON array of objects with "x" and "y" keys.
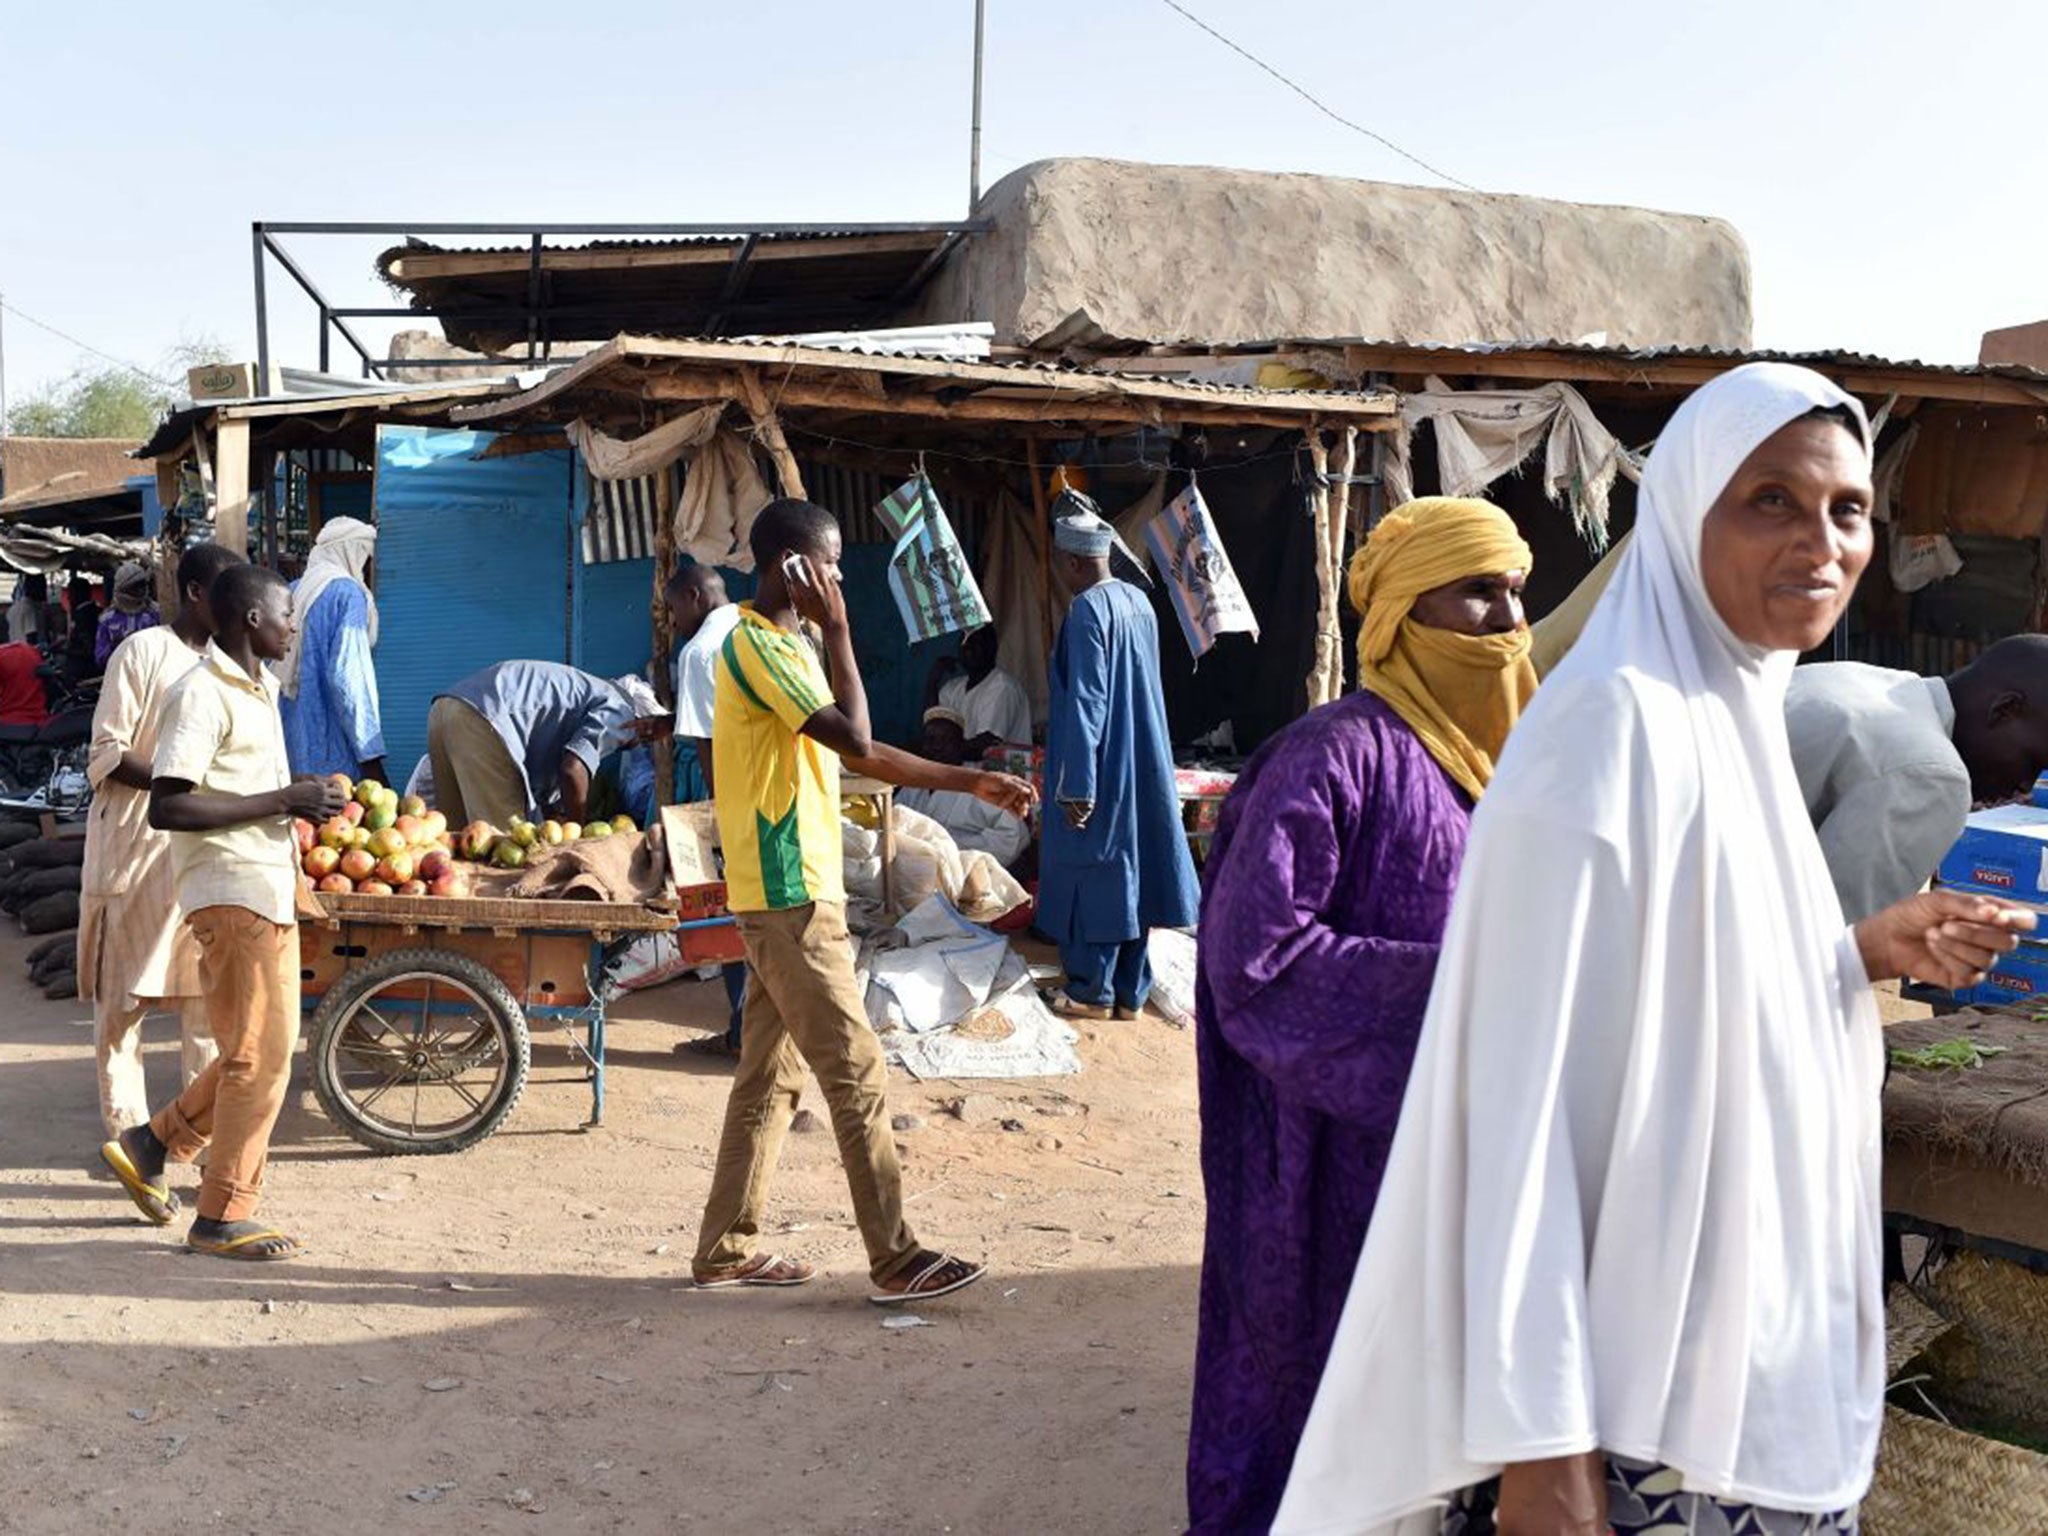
[{"x": 499, "y": 1340}]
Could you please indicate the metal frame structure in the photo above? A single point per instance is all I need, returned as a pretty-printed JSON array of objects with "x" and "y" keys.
[{"x": 264, "y": 244}]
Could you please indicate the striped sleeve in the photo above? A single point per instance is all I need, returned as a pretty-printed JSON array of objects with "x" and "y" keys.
[{"x": 779, "y": 673}]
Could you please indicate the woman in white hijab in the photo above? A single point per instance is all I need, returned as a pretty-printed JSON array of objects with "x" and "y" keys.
[{"x": 1624, "y": 1271}]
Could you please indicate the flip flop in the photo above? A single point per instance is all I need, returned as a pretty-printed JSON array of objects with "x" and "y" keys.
[
  {"x": 926, "y": 1285},
  {"x": 244, "y": 1248},
  {"x": 768, "y": 1269},
  {"x": 158, "y": 1205}
]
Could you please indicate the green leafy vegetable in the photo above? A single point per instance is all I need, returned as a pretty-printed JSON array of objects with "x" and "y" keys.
[{"x": 1959, "y": 1052}]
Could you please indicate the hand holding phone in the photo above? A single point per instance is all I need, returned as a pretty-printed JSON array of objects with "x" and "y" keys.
[{"x": 816, "y": 598}]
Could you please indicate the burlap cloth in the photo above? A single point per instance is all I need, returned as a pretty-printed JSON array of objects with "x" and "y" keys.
[
  {"x": 1996, "y": 1113},
  {"x": 626, "y": 867}
]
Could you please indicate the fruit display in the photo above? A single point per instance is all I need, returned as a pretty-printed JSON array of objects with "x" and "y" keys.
[
  {"x": 380, "y": 845},
  {"x": 520, "y": 841},
  {"x": 384, "y": 845}
]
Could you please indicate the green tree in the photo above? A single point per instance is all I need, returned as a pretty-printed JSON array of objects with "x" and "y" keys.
[{"x": 106, "y": 400}]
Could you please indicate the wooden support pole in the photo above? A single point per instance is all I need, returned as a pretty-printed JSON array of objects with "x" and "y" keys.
[
  {"x": 1340, "y": 533},
  {"x": 1326, "y": 587},
  {"x": 769, "y": 430},
  {"x": 231, "y": 484},
  {"x": 1091, "y": 409},
  {"x": 1044, "y": 538},
  {"x": 664, "y": 633}
]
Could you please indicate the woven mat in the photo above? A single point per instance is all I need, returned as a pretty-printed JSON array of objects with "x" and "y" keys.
[
  {"x": 1910, "y": 1325},
  {"x": 1996, "y": 1113},
  {"x": 1936, "y": 1481}
]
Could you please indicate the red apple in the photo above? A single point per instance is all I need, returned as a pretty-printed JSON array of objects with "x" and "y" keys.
[
  {"x": 357, "y": 864},
  {"x": 336, "y": 885},
  {"x": 450, "y": 884},
  {"x": 372, "y": 888},
  {"x": 321, "y": 862},
  {"x": 434, "y": 865},
  {"x": 413, "y": 888}
]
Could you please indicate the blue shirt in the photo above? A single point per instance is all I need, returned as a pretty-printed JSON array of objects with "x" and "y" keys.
[
  {"x": 334, "y": 726},
  {"x": 543, "y": 712}
]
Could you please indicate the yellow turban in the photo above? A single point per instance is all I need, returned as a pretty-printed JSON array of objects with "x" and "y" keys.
[{"x": 1459, "y": 693}]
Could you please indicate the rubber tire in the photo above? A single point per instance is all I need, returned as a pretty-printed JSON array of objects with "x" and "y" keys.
[{"x": 361, "y": 982}]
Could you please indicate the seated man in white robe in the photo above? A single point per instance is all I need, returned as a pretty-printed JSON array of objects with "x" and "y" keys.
[
  {"x": 989, "y": 700},
  {"x": 972, "y": 823}
]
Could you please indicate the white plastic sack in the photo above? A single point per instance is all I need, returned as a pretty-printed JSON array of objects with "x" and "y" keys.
[
  {"x": 648, "y": 961},
  {"x": 1172, "y": 954},
  {"x": 1921, "y": 559}
]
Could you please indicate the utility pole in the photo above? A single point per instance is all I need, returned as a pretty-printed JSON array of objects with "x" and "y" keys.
[{"x": 974, "y": 136}]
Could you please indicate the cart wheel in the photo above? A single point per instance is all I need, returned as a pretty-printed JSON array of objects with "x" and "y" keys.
[{"x": 420, "y": 1050}]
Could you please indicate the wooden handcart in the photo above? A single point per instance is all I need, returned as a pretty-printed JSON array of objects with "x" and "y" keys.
[{"x": 420, "y": 1007}]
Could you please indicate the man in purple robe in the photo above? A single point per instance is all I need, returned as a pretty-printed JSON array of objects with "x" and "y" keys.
[{"x": 1324, "y": 904}]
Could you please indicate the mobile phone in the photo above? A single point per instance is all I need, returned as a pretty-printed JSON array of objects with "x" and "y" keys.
[{"x": 796, "y": 571}]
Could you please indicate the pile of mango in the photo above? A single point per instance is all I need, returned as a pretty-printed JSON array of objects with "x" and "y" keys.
[
  {"x": 380, "y": 845},
  {"x": 523, "y": 840}
]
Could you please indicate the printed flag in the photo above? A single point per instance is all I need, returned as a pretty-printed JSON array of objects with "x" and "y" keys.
[
  {"x": 928, "y": 576},
  {"x": 1188, "y": 553}
]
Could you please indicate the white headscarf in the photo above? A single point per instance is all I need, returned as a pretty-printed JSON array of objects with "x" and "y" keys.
[
  {"x": 341, "y": 553},
  {"x": 1633, "y": 1199}
]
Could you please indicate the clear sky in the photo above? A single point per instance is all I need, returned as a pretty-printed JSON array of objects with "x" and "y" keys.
[{"x": 1880, "y": 158}]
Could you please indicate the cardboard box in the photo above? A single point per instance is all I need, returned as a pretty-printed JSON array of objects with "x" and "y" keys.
[
  {"x": 2020, "y": 977},
  {"x": 705, "y": 931},
  {"x": 223, "y": 381},
  {"x": 2004, "y": 852}
]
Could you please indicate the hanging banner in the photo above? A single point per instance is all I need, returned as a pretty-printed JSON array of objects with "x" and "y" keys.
[
  {"x": 928, "y": 576},
  {"x": 1188, "y": 553}
]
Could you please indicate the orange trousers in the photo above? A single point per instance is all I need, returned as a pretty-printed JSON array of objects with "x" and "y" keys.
[{"x": 249, "y": 969}]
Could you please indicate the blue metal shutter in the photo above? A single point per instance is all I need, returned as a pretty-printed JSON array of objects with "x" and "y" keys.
[
  {"x": 473, "y": 567},
  {"x": 616, "y": 622}
]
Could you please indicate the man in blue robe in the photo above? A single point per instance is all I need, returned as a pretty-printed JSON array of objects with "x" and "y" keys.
[
  {"x": 1115, "y": 862},
  {"x": 331, "y": 718}
]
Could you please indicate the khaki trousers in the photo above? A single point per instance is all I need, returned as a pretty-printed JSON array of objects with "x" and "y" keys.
[
  {"x": 475, "y": 778},
  {"x": 249, "y": 967},
  {"x": 117, "y": 1042},
  {"x": 804, "y": 1008}
]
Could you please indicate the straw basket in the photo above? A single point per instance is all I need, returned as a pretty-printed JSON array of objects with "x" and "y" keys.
[
  {"x": 1995, "y": 1361},
  {"x": 1936, "y": 1481}
]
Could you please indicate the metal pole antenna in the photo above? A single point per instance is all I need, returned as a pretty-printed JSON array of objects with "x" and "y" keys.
[{"x": 974, "y": 137}]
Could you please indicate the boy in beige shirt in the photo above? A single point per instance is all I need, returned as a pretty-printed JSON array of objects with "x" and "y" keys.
[{"x": 221, "y": 787}]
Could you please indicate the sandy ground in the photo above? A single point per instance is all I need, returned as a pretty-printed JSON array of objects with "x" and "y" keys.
[{"x": 540, "y": 1273}]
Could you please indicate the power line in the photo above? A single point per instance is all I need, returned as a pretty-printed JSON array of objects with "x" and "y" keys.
[
  {"x": 1308, "y": 96},
  {"x": 86, "y": 346}
]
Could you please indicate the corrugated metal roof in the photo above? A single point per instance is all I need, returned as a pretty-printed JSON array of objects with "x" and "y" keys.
[
  {"x": 737, "y": 233},
  {"x": 1728, "y": 355}
]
